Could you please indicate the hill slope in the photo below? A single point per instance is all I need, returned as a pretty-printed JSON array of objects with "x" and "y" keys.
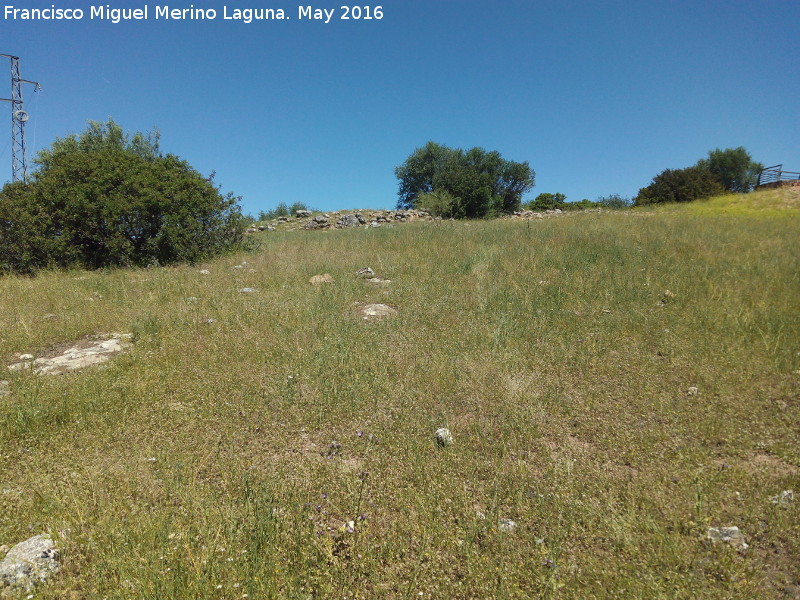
[{"x": 615, "y": 384}]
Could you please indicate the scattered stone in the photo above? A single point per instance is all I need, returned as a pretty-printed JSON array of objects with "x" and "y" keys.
[
  {"x": 507, "y": 525},
  {"x": 28, "y": 564},
  {"x": 26, "y": 356},
  {"x": 323, "y": 279},
  {"x": 377, "y": 311},
  {"x": 729, "y": 535},
  {"x": 321, "y": 219},
  {"x": 366, "y": 272},
  {"x": 247, "y": 290},
  {"x": 83, "y": 354},
  {"x": 302, "y": 214},
  {"x": 238, "y": 266},
  {"x": 667, "y": 297},
  {"x": 210, "y": 321},
  {"x": 692, "y": 391},
  {"x": 204, "y": 272},
  {"x": 262, "y": 227},
  {"x": 785, "y": 498},
  {"x": 379, "y": 281},
  {"x": 374, "y": 224},
  {"x": 49, "y": 316},
  {"x": 443, "y": 437},
  {"x": 270, "y": 228},
  {"x": 192, "y": 299}
]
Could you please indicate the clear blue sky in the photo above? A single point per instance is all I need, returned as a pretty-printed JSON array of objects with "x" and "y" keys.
[{"x": 598, "y": 96}]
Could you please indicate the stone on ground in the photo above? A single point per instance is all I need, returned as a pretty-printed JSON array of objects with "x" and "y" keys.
[
  {"x": 443, "y": 437},
  {"x": 321, "y": 279},
  {"x": 729, "y": 535},
  {"x": 366, "y": 273},
  {"x": 377, "y": 311},
  {"x": 380, "y": 281},
  {"x": 79, "y": 356},
  {"x": 28, "y": 564}
]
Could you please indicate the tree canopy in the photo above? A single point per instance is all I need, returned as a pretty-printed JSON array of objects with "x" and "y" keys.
[
  {"x": 105, "y": 198},
  {"x": 733, "y": 167},
  {"x": 475, "y": 182}
]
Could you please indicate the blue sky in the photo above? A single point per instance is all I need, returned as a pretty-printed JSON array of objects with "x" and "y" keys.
[{"x": 598, "y": 96}]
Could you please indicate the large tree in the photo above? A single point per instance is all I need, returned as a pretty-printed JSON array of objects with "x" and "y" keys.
[
  {"x": 734, "y": 167},
  {"x": 480, "y": 182}
]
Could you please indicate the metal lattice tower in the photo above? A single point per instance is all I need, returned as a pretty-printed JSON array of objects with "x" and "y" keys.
[{"x": 19, "y": 163}]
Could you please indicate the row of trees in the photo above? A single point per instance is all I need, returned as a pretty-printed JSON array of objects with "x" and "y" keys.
[
  {"x": 105, "y": 198},
  {"x": 475, "y": 183},
  {"x": 731, "y": 170}
]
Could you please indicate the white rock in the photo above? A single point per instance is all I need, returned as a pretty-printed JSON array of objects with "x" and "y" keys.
[
  {"x": 729, "y": 535},
  {"x": 507, "y": 525},
  {"x": 79, "y": 356},
  {"x": 784, "y": 498},
  {"x": 26, "y": 356},
  {"x": 444, "y": 437},
  {"x": 377, "y": 311},
  {"x": 379, "y": 281},
  {"x": 366, "y": 273},
  {"x": 28, "y": 564},
  {"x": 692, "y": 391},
  {"x": 247, "y": 290},
  {"x": 204, "y": 272}
]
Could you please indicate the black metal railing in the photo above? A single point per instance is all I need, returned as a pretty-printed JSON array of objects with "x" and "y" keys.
[{"x": 775, "y": 174}]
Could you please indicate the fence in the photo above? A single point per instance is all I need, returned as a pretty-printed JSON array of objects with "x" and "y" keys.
[{"x": 775, "y": 174}]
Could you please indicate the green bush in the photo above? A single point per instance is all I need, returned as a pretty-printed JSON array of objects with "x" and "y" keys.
[
  {"x": 546, "y": 201},
  {"x": 614, "y": 201},
  {"x": 103, "y": 200},
  {"x": 439, "y": 203},
  {"x": 680, "y": 185}
]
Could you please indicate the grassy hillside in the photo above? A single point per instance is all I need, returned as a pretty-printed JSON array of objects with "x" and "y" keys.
[{"x": 225, "y": 459}]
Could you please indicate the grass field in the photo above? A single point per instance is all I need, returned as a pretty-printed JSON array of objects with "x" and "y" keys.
[{"x": 226, "y": 459}]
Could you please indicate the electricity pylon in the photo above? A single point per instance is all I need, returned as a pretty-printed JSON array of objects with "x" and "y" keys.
[{"x": 19, "y": 164}]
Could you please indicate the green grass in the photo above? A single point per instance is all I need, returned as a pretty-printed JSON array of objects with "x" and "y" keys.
[{"x": 201, "y": 463}]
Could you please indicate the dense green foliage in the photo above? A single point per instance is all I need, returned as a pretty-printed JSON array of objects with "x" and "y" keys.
[
  {"x": 281, "y": 210},
  {"x": 547, "y": 201},
  {"x": 680, "y": 185},
  {"x": 734, "y": 168},
  {"x": 440, "y": 203},
  {"x": 480, "y": 183},
  {"x": 103, "y": 199}
]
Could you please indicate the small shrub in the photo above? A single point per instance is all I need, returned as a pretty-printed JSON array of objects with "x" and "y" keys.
[
  {"x": 614, "y": 201},
  {"x": 439, "y": 203}
]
